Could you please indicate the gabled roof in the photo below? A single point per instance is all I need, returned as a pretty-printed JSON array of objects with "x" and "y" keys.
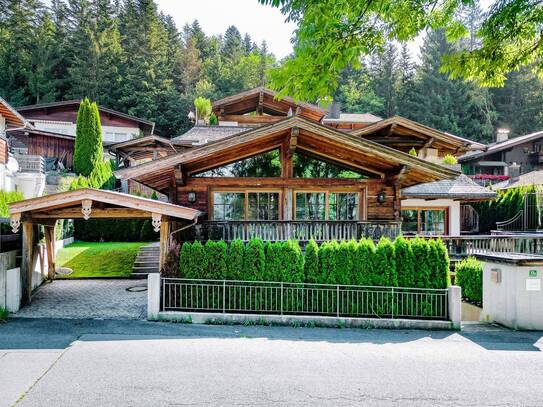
[
  {"x": 207, "y": 134},
  {"x": 353, "y": 118},
  {"x": 145, "y": 147},
  {"x": 50, "y": 206},
  {"x": 504, "y": 145},
  {"x": 13, "y": 118},
  {"x": 461, "y": 189},
  {"x": 247, "y": 101},
  {"x": 313, "y": 139},
  {"x": 404, "y": 128},
  {"x": 76, "y": 102}
]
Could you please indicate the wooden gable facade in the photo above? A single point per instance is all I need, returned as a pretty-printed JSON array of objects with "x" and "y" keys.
[
  {"x": 373, "y": 198},
  {"x": 258, "y": 106}
]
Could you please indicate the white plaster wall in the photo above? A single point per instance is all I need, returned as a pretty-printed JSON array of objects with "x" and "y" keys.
[
  {"x": 454, "y": 210},
  {"x": 508, "y": 301},
  {"x": 31, "y": 184},
  {"x": 67, "y": 128},
  {"x": 110, "y": 134},
  {"x": 119, "y": 134}
]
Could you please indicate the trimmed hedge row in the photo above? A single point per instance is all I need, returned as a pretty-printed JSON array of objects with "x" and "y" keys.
[
  {"x": 114, "y": 230},
  {"x": 420, "y": 263},
  {"x": 469, "y": 276}
]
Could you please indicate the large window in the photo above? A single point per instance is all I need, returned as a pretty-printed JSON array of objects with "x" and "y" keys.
[
  {"x": 326, "y": 205},
  {"x": 424, "y": 221},
  {"x": 245, "y": 205},
  {"x": 229, "y": 205}
]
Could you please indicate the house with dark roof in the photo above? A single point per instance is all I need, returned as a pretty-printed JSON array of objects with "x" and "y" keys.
[
  {"x": 494, "y": 162},
  {"x": 248, "y": 176}
]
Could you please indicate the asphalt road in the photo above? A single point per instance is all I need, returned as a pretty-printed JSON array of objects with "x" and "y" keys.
[{"x": 137, "y": 363}]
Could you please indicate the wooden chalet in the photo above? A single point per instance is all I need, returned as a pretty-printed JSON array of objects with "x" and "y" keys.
[
  {"x": 264, "y": 107},
  {"x": 404, "y": 134},
  {"x": 289, "y": 205}
]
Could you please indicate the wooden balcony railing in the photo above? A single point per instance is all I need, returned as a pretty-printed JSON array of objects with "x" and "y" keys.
[{"x": 300, "y": 230}]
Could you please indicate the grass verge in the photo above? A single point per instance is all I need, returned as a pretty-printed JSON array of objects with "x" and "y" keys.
[{"x": 92, "y": 259}]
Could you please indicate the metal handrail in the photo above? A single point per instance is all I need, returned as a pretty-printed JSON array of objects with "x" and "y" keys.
[{"x": 286, "y": 298}]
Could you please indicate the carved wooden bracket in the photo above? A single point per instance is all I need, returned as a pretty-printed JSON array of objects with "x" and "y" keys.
[
  {"x": 15, "y": 222},
  {"x": 86, "y": 209},
  {"x": 157, "y": 221}
]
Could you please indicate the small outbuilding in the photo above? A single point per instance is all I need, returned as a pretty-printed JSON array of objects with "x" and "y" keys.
[{"x": 85, "y": 204}]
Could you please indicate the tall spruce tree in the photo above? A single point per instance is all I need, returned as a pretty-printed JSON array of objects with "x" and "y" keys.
[
  {"x": 454, "y": 106},
  {"x": 88, "y": 150}
]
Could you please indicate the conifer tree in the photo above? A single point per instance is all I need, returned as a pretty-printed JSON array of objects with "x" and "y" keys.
[{"x": 88, "y": 150}]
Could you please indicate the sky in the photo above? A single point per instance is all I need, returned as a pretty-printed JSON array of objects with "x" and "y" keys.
[{"x": 261, "y": 22}]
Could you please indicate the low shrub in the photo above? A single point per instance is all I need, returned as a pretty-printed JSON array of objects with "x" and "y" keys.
[
  {"x": 253, "y": 260},
  {"x": 114, "y": 230},
  {"x": 311, "y": 265},
  {"x": 235, "y": 260},
  {"x": 469, "y": 276},
  {"x": 7, "y": 198},
  {"x": 4, "y": 314}
]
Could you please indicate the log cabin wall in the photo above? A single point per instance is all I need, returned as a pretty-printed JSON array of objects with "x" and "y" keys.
[
  {"x": 51, "y": 147},
  {"x": 370, "y": 208}
]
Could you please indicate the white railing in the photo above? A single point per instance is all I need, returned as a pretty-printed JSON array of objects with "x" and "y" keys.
[
  {"x": 31, "y": 163},
  {"x": 280, "y": 298},
  {"x": 303, "y": 231}
]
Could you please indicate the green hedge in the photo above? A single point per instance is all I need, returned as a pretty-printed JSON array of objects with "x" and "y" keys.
[
  {"x": 422, "y": 263},
  {"x": 114, "y": 230},
  {"x": 469, "y": 276},
  {"x": 7, "y": 198}
]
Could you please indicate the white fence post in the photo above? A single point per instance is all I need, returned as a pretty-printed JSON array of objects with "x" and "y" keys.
[
  {"x": 454, "y": 296},
  {"x": 13, "y": 289},
  {"x": 153, "y": 295}
]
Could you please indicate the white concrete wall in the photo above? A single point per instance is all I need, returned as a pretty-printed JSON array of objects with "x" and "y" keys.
[
  {"x": 111, "y": 134},
  {"x": 511, "y": 297},
  {"x": 453, "y": 207},
  {"x": 10, "y": 282},
  {"x": 31, "y": 184}
]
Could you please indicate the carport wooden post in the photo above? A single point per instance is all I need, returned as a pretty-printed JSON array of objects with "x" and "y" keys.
[
  {"x": 26, "y": 262},
  {"x": 50, "y": 235},
  {"x": 164, "y": 240}
]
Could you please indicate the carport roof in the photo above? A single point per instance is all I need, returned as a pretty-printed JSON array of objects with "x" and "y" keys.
[{"x": 105, "y": 204}]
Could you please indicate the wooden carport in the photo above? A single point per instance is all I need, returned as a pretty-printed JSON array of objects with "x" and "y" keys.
[{"x": 85, "y": 204}]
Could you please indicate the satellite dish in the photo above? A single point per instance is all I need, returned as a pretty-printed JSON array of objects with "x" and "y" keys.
[{"x": 12, "y": 164}]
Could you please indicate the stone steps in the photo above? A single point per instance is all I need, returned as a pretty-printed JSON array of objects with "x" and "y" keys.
[{"x": 147, "y": 261}]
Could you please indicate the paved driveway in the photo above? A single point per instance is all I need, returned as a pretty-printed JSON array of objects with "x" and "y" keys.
[{"x": 82, "y": 299}]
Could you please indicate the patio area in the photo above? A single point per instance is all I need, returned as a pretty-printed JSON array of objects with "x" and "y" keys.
[{"x": 86, "y": 299}]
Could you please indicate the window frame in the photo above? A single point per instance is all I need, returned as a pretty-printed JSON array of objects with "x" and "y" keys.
[
  {"x": 419, "y": 209},
  {"x": 359, "y": 194},
  {"x": 246, "y": 203}
]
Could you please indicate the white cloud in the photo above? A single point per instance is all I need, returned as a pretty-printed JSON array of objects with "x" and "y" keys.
[{"x": 261, "y": 22}]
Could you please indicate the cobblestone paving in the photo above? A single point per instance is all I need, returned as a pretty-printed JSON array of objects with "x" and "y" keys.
[{"x": 81, "y": 299}]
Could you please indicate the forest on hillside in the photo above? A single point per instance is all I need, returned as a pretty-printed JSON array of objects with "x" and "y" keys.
[{"x": 128, "y": 56}]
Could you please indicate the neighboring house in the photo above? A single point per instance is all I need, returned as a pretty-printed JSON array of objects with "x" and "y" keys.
[
  {"x": 16, "y": 172},
  {"x": 257, "y": 107},
  {"x": 290, "y": 205},
  {"x": 493, "y": 164},
  {"x": 61, "y": 118},
  {"x": 534, "y": 178}
]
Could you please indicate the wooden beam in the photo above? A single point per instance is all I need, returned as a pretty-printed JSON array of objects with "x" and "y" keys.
[
  {"x": 164, "y": 241},
  {"x": 75, "y": 213},
  {"x": 26, "y": 262},
  {"x": 241, "y": 118},
  {"x": 50, "y": 234},
  {"x": 293, "y": 141},
  {"x": 259, "y": 108},
  {"x": 391, "y": 129}
]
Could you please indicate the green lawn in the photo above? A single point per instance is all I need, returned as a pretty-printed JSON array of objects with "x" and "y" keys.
[{"x": 90, "y": 259}]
